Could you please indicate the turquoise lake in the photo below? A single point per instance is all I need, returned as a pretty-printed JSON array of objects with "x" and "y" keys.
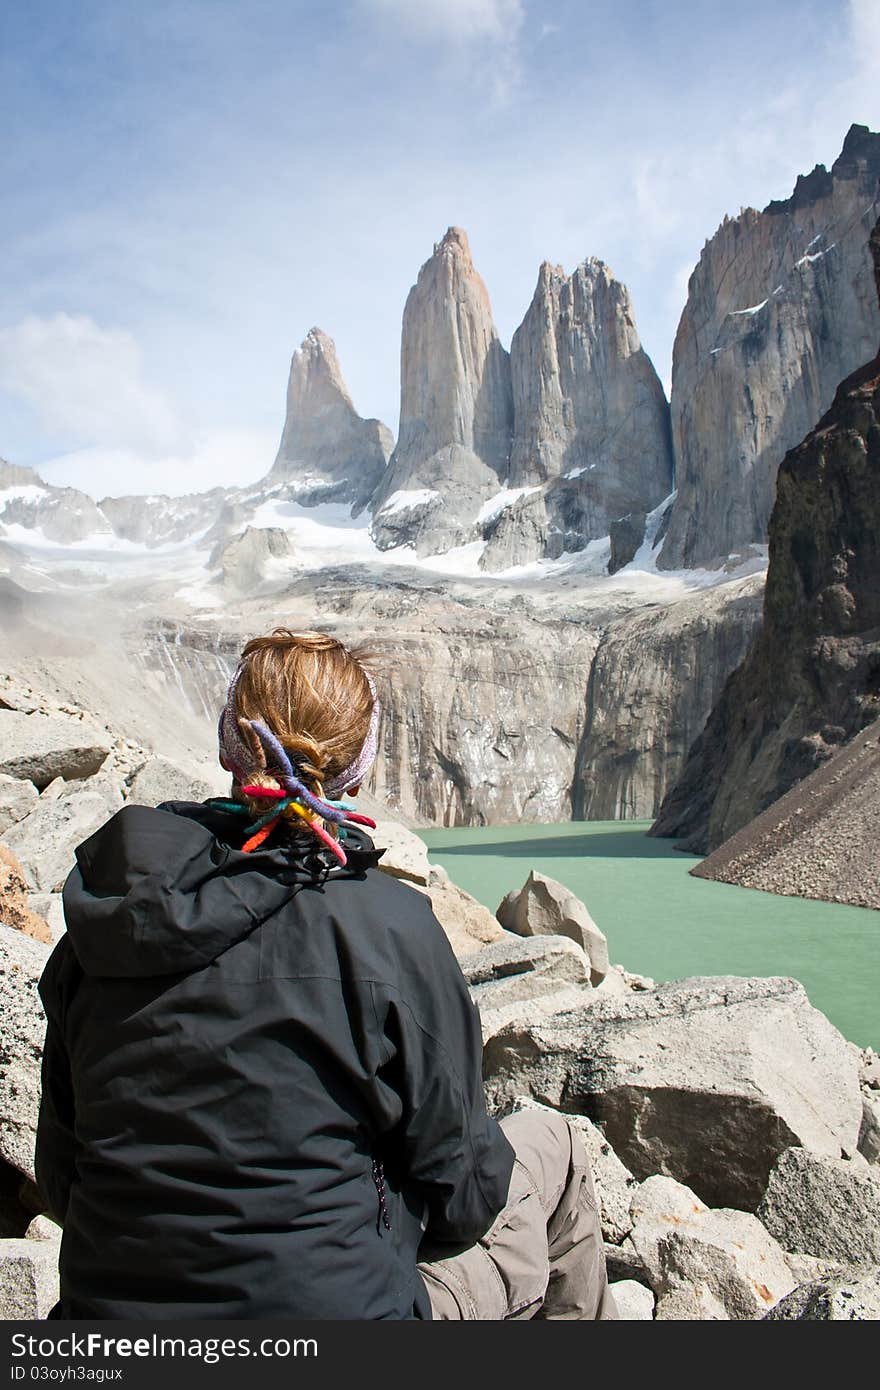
[{"x": 660, "y": 921}]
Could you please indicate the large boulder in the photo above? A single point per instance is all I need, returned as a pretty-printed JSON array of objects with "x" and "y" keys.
[
  {"x": 406, "y": 856},
  {"x": 17, "y": 798},
  {"x": 727, "y": 1255},
  {"x": 468, "y": 924},
  {"x": 515, "y": 969},
  {"x": 634, "y": 1302},
  {"x": 544, "y": 907},
  {"x": 159, "y": 779},
  {"x": 823, "y": 1206},
  {"x": 44, "y": 842},
  {"x": 704, "y": 1080},
  {"x": 834, "y": 1300},
  {"x": 869, "y": 1134},
  {"x": 22, "y": 1029},
  {"x": 28, "y": 1278},
  {"x": 40, "y": 747}
]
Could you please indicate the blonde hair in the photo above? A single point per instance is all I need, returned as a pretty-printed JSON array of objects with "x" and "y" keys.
[{"x": 313, "y": 693}]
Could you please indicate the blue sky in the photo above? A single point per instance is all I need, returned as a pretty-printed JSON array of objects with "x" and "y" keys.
[{"x": 190, "y": 185}]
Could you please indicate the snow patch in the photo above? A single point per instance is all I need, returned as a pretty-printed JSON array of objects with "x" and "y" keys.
[
  {"x": 754, "y": 309},
  {"x": 405, "y": 500},
  {"x": 28, "y": 492},
  {"x": 500, "y": 502},
  {"x": 576, "y": 472}
]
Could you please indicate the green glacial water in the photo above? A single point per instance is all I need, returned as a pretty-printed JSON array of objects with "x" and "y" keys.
[{"x": 662, "y": 922}]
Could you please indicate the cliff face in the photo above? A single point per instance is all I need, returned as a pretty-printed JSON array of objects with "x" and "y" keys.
[
  {"x": 654, "y": 681},
  {"x": 455, "y": 407},
  {"x": 591, "y": 422},
  {"x": 812, "y": 680},
  {"x": 327, "y": 452},
  {"x": 780, "y": 308}
]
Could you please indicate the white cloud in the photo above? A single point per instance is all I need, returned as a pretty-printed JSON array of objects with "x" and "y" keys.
[
  {"x": 85, "y": 382},
  {"x": 457, "y": 21},
  {"x": 220, "y": 458}
]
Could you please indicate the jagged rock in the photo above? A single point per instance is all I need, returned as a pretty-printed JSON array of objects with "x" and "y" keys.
[
  {"x": 810, "y": 681},
  {"x": 703, "y": 1080},
  {"x": 654, "y": 681},
  {"x": 28, "y": 1278},
  {"x": 780, "y": 309},
  {"x": 43, "y": 1228},
  {"x": 21, "y": 964},
  {"x": 16, "y": 910},
  {"x": 406, "y": 856},
  {"x": 39, "y": 748},
  {"x": 828, "y": 1207},
  {"x": 45, "y": 841},
  {"x": 456, "y": 408},
  {"x": 468, "y": 924},
  {"x": 869, "y": 1134},
  {"x": 159, "y": 779},
  {"x": 17, "y": 798},
  {"x": 839, "y": 1300},
  {"x": 159, "y": 519},
  {"x": 544, "y": 907},
  {"x": 634, "y": 1302},
  {"x": 614, "y": 1183},
  {"x": 247, "y": 560},
  {"x": 726, "y": 1255},
  {"x": 591, "y": 422},
  {"x": 627, "y": 534},
  {"x": 63, "y": 514},
  {"x": 328, "y": 453},
  {"x": 511, "y": 971},
  {"x": 55, "y": 789}
]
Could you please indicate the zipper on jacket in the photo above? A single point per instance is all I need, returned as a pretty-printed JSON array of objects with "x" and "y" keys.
[{"x": 379, "y": 1180}]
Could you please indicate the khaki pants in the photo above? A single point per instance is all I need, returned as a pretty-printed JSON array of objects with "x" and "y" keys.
[{"x": 542, "y": 1256}]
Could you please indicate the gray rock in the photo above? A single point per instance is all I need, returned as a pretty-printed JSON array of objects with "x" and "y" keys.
[
  {"x": 780, "y": 308},
  {"x": 246, "y": 561},
  {"x": 544, "y": 907},
  {"x": 828, "y": 1207},
  {"x": 17, "y": 798},
  {"x": 406, "y": 856},
  {"x": 634, "y": 1302},
  {"x": 39, "y": 747},
  {"x": 456, "y": 408},
  {"x": 468, "y": 924},
  {"x": 521, "y": 969},
  {"x": 704, "y": 1080},
  {"x": 614, "y": 1183},
  {"x": 328, "y": 453},
  {"x": 591, "y": 422},
  {"x": 838, "y": 1300},
  {"x": 726, "y": 1255},
  {"x": 45, "y": 841},
  {"x": 627, "y": 534},
  {"x": 657, "y": 1206},
  {"x": 28, "y": 1278},
  {"x": 43, "y": 1228},
  {"x": 22, "y": 1030},
  {"x": 159, "y": 779},
  {"x": 520, "y": 1014},
  {"x": 869, "y": 1134}
]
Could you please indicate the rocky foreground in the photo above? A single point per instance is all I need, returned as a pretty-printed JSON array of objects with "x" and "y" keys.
[{"x": 734, "y": 1133}]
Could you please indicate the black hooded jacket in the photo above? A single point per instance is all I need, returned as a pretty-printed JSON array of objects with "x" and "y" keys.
[{"x": 233, "y": 1042}]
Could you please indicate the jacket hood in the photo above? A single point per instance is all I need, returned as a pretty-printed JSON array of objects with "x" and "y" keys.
[{"x": 164, "y": 890}]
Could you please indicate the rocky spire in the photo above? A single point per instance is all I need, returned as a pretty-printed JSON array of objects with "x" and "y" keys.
[
  {"x": 327, "y": 450},
  {"x": 589, "y": 410},
  {"x": 780, "y": 308},
  {"x": 455, "y": 406}
]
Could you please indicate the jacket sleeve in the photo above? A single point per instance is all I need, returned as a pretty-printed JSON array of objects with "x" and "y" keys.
[
  {"x": 446, "y": 1142},
  {"x": 55, "y": 1144}
]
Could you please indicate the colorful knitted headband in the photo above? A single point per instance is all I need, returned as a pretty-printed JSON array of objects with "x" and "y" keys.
[{"x": 242, "y": 746}]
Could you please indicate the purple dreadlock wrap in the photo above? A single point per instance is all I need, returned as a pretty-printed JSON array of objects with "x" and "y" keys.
[{"x": 242, "y": 748}]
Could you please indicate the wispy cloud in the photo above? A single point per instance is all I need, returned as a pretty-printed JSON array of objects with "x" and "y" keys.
[
  {"x": 481, "y": 36},
  {"x": 219, "y": 458},
  {"x": 86, "y": 382}
]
